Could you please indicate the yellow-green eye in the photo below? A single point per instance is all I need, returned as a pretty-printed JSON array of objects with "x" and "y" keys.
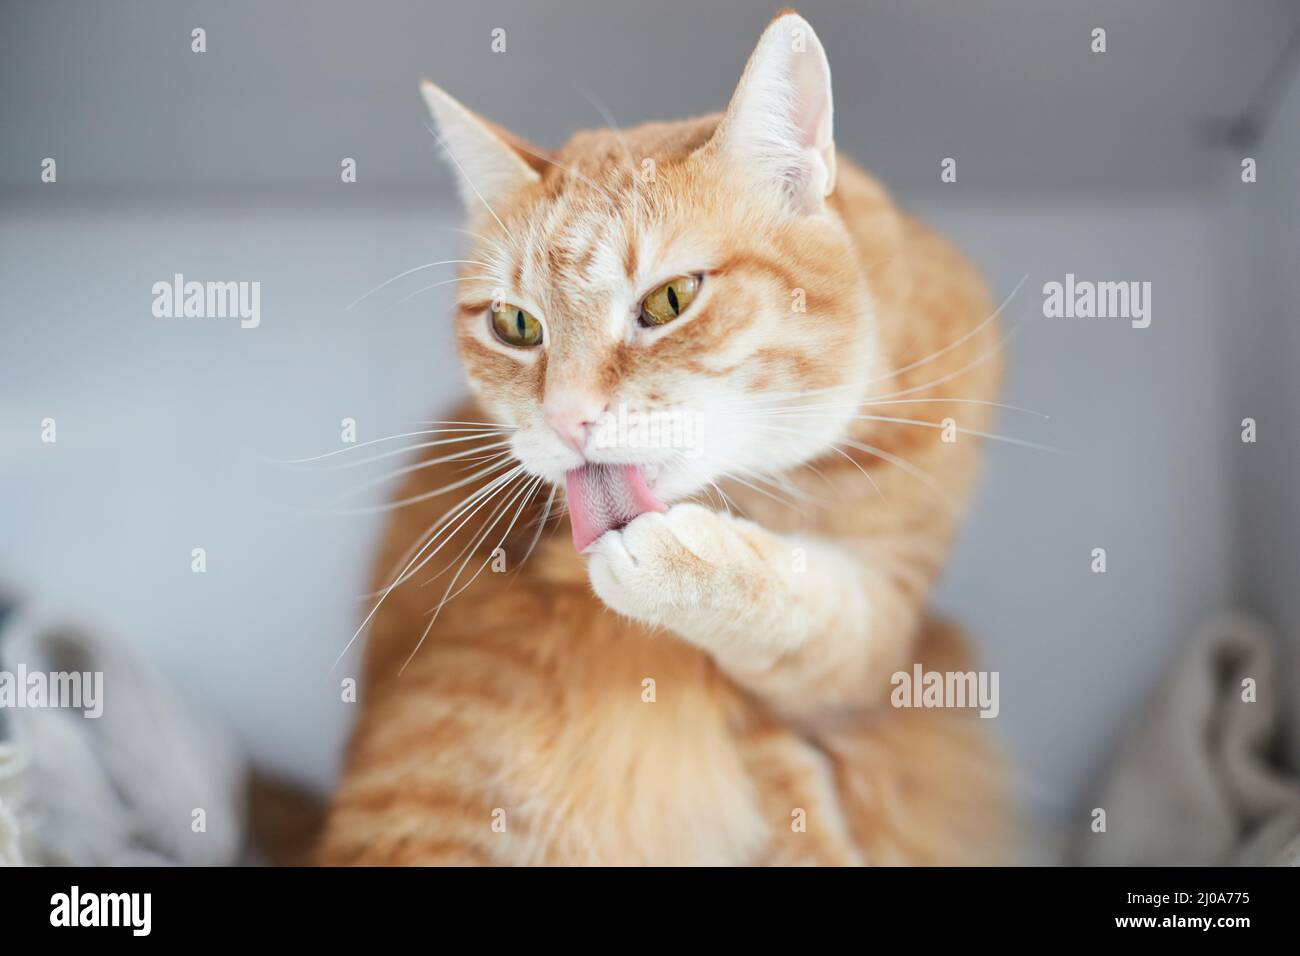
[
  {"x": 516, "y": 327},
  {"x": 669, "y": 301}
]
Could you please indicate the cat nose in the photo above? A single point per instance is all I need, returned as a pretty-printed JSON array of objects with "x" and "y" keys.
[{"x": 571, "y": 415}]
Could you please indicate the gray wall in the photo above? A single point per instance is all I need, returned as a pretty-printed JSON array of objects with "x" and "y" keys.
[
  {"x": 1143, "y": 473},
  {"x": 286, "y": 87},
  {"x": 1261, "y": 253}
]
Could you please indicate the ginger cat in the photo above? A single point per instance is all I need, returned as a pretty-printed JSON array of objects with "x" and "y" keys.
[{"x": 681, "y": 684}]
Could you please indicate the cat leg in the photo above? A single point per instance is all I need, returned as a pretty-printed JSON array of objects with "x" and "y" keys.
[{"x": 803, "y": 623}]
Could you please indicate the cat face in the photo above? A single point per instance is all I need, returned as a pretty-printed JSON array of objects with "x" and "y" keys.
[{"x": 661, "y": 296}]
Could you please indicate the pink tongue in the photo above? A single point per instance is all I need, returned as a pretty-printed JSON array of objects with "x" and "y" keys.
[{"x": 605, "y": 497}]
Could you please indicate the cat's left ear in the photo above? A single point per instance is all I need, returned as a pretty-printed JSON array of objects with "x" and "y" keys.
[
  {"x": 490, "y": 162},
  {"x": 779, "y": 121}
]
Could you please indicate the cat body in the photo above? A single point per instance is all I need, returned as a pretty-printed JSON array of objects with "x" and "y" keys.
[{"x": 707, "y": 682}]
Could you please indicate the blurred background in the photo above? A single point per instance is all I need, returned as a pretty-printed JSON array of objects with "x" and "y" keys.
[{"x": 225, "y": 165}]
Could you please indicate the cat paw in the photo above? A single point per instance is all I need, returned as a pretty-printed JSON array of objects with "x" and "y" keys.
[{"x": 689, "y": 569}]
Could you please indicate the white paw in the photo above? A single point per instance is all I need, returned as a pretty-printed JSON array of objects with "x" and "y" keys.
[{"x": 689, "y": 569}]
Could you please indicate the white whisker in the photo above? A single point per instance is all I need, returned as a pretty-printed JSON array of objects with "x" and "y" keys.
[
  {"x": 408, "y": 449},
  {"x": 541, "y": 526},
  {"x": 956, "y": 342},
  {"x": 493, "y": 488},
  {"x": 732, "y": 476},
  {"x": 526, "y": 492},
  {"x": 921, "y": 423},
  {"x": 489, "y": 522},
  {"x": 636, "y": 180},
  {"x": 403, "y": 275},
  {"x": 416, "y": 499},
  {"x": 834, "y": 406},
  {"x": 980, "y": 360},
  {"x": 962, "y": 401},
  {"x": 567, "y": 169},
  {"x": 343, "y": 451},
  {"x": 437, "y": 285},
  {"x": 497, "y": 247},
  {"x": 443, "y": 519},
  {"x": 865, "y": 474},
  {"x": 483, "y": 425},
  {"x": 408, "y": 571},
  {"x": 416, "y": 466},
  {"x": 523, "y": 495},
  {"x": 453, "y": 158},
  {"x": 817, "y": 471},
  {"x": 919, "y": 474}
]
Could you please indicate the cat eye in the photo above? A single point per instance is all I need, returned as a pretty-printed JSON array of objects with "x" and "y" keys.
[
  {"x": 516, "y": 327},
  {"x": 669, "y": 301}
]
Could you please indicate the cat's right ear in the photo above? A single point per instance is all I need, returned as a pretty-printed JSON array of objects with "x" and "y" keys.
[
  {"x": 778, "y": 126},
  {"x": 490, "y": 163}
]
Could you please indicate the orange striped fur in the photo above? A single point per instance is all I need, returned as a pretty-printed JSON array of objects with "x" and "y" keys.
[{"x": 519, "y": 732}]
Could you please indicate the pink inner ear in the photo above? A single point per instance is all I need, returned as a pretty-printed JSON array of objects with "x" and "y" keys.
[
  {"x": 812, "y": 109},
  {"x": 809, "y": 109}
]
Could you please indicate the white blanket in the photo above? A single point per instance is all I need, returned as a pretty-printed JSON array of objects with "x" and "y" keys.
[
  {"x": 1199, "y": 780},
  {"x": 147, "y": 782}
]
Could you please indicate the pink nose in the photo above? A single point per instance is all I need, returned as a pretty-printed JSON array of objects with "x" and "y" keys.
[{"x": 571, "y": 415}]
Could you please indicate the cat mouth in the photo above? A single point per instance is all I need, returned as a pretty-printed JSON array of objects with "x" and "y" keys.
[{"x": 606, "y": 498}]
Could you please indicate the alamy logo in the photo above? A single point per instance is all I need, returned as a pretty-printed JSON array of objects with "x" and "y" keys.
[
  {"x": 677, "y": 429},
  {"x": 208, "y": 300},
  {"x": 1083, "y": 299},
  {"x": 73, "y": 690},
  {"x": 75, "y": 908},
  {"x": 922, "y": 688}
]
